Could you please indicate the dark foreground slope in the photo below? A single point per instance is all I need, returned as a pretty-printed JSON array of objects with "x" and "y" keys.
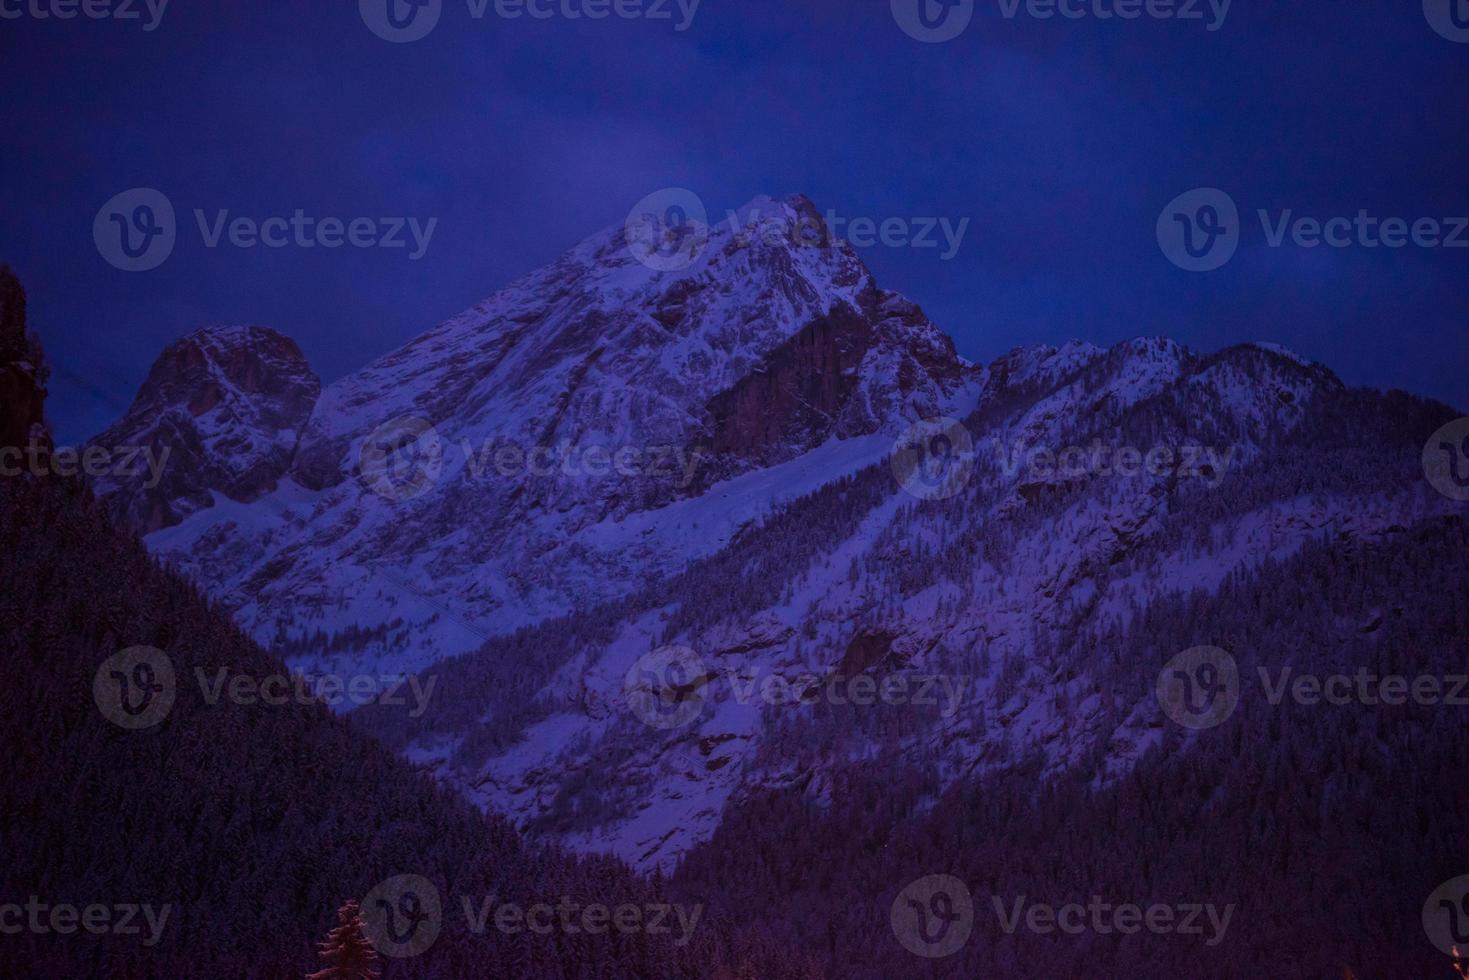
[
  {"x": 1326, "y": 826},
  {"x": 252, "y": 822}
]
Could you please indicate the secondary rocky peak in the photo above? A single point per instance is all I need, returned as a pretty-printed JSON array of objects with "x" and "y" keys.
[{"x": 226, "y": 404}]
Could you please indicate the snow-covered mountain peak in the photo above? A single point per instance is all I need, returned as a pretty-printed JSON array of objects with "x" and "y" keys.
[
  {"x": 768, "y": 379},
  {"x": 600, "y": 345},
  {"x": 763, "y": 342}
]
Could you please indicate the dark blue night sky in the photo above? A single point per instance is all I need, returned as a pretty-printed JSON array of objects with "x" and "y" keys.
[{"x": 1061, "y": 140}]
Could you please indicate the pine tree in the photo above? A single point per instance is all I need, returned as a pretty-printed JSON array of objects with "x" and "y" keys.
[
  {"x": 12, "y": 316},
  {"x": 347, "y": 950}
]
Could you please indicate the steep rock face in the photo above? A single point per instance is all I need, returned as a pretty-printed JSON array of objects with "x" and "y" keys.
[
  {"x": 848, "y": 373},
  {"x": 226, "y": 404},
  {"x": 791, "y": 401},
  {"x": 549, "y": 419}
]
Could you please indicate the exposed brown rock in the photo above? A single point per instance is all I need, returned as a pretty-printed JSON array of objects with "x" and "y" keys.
[{"x": 227, "y": 404}]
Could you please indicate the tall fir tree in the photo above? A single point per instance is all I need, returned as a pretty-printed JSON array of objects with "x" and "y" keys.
[{"x": 347, "y": 950}]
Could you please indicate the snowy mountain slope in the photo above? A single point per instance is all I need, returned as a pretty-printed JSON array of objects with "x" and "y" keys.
[
  {"x": 486, "y": 474},
  {"x": 613, "y": 493},
  {"x": 1006, "y": 600}
]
